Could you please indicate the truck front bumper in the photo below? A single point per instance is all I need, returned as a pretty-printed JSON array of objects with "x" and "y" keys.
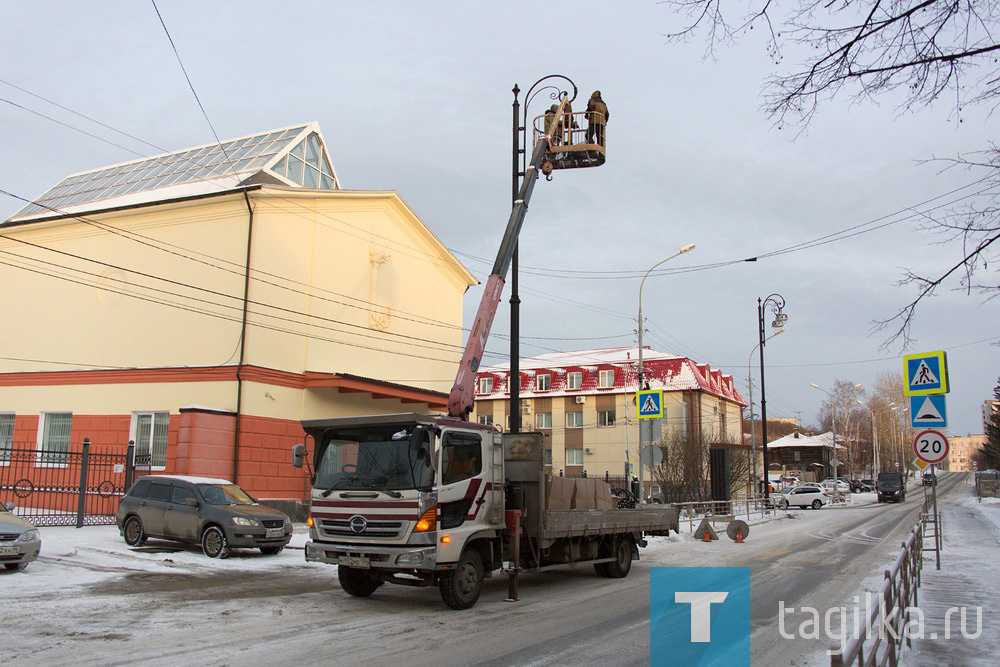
[{"x": 375, "y": 557}]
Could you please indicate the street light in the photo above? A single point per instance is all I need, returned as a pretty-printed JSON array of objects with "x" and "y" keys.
[
  {"x": 753, "y": 433},
  {"x": 833, "y": 430},
  {"x": 874, "y": 467},
  {"x": 642, "y": 383},
  {"x": 777, "y": 303},
  {"x": 520, "y": 154}
]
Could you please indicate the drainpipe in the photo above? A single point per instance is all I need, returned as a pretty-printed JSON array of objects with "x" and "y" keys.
[{"x": 243, "y": 341}]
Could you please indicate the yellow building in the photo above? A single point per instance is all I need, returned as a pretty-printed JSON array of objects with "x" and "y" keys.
[
  {"x": 584, "y": 402},
  {"x": 961, "y": 450},
  {"x": 201, "y": 303}
]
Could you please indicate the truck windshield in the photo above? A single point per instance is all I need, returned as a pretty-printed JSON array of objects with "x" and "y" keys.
[{"x": 374, "y": 459}]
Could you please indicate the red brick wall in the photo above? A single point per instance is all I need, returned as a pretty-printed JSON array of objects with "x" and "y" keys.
[
  {"x": 265, "y": 469},
  {"x": 200, "y": 442}
]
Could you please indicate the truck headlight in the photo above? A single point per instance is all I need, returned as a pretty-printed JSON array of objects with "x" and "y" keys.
[
  {"x": 243, "y": 521},
  {"x": 410, "y": 559}
]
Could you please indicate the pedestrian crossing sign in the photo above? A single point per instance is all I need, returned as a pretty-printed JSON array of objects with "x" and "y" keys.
[
  {"x": 926, "y": 373},
  {"x": 649, "y": 403}
]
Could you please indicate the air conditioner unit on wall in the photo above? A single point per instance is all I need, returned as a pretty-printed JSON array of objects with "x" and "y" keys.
[
  {"x": 525, "y": 402},
  {"x": 588, "y": 450},
  {"x": 526, "y": 411},
  {"x": 580, "y": 400}
]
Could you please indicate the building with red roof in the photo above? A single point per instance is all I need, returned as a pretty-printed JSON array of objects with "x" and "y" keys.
[{"x": 584, "y": 402}]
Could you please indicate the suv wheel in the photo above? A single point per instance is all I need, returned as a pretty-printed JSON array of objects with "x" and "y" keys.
[
  {"x": 135, "y": 536},
  {"x": 214, "y": 543}
]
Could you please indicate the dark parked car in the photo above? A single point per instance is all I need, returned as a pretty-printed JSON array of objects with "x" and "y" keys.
[
  {"x": 929, "y": 479},
  {"x": 19, "y": 540},
  {"x": 212, "y": 512},
  {"x": 868, "y": 484}
]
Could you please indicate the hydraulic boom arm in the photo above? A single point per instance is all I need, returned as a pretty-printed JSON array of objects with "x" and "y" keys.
[{"x": 461, "y": 398}]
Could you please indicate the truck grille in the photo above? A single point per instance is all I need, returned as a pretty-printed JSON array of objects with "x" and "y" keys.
[{"x": 374, "y": 528}]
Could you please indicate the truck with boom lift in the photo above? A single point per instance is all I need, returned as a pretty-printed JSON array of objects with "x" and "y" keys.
[{"x": 434, "y": 500}]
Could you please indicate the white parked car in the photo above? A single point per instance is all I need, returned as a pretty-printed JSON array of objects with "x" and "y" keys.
[
  {"x": 842, "y": 486},
  {"x": 806, "y": 495}
]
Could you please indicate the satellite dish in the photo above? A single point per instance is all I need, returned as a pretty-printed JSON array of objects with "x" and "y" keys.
[{"x": 651, "y": 456}]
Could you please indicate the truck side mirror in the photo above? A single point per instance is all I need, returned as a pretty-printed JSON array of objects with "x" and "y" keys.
[
  {"x": 419, "y": 445},
  {"x": 298, "y": 455}
]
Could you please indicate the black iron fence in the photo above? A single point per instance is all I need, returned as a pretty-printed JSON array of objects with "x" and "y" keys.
[{"x": 78, "y": 487}]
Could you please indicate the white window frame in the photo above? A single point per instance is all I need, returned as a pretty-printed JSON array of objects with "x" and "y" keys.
[
  {"x": 573, "y": 421},
  {"x": 572, "y": 455},
  {"x": 486, "y": 420},
  {"x": 602, "y": 378},
  {"x": 603, "y": 420},
  {"x": 543, "y": 382},
  {"x": 43, "y": 422},
  {"x": 134, "y": 434},
  {"x": 7, "y": 437},
  {"x": 543, "y": 420},
  {"x": 486, "y": 385},
  {"x": 574, "y": 380}
]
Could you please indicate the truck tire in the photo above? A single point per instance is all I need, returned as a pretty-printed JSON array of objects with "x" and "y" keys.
[
  {"x": 622, "y": 563},
  {"x": 356, "y": 582},
  {"x": 460, "y": 588}
]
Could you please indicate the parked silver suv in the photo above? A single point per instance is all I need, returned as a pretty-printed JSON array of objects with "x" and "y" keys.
[{"x": 213, "y": 512}]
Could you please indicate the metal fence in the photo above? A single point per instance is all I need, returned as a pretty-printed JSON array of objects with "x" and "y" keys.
[
  {"x": 727, "y": 510},
  {"x": 77, "y": 487},
  {"x": 878, "y": 643}
]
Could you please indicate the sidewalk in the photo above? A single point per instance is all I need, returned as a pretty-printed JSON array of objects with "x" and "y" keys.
[{"x": 970, "y": 570}]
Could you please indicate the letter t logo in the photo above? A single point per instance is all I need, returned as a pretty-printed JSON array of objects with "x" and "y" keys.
[{"x": 701, "y": 611}]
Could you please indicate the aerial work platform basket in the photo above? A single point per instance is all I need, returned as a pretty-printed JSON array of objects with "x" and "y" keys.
[{"x": 578, "y": 140}]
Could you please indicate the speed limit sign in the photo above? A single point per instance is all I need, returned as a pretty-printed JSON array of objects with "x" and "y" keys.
[{"x": 930, "y": 446}]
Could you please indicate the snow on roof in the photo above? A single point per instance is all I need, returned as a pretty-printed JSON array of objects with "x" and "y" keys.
[
  {"x": 668, "y": 372},
  {"x": 796, "y": 439},
  {"x": 193, "y": 479}
]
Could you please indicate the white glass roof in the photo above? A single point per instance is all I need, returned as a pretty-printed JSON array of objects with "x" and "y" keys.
[{"x": 296, "y": 156}]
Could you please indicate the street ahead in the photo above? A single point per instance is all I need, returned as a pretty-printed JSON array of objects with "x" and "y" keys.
[{"x": 191, "y": 609}]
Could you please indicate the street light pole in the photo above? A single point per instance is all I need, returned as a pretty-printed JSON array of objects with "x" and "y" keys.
[
  {"x": 641, "y": 378},
  {"x": 753, "y": 433},
  {"x": 777, "y": 303},
  {"x": 519, "y": 158}
]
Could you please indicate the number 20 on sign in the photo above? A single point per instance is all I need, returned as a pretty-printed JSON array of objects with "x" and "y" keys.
[{"x": 930, "y": 446}]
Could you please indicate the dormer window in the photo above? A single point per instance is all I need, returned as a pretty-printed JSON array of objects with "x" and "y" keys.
[
  {"x": 485, "y": 385},
  {"x": 606, "y": 379},
  {"x": 543, "y": 382}
]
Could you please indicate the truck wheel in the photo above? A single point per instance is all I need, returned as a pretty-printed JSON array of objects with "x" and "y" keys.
[
  {"x": 356, "y": 582},
  {"x": 460, "y": 588},
  {"x": 620, "y": 566}
]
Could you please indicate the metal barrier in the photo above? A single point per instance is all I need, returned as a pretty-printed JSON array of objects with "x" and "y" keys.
[
  {"x": 68, "y": 488},
  {"x": 881, "y": 638}
]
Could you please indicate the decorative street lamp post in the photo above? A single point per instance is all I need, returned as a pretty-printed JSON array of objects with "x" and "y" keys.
[
  {"x": 777, "y": 303},
  {"x": 520, "y": 155},
  {"x": 753, "y": 432}
]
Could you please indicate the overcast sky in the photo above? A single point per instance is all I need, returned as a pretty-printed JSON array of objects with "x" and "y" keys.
[{"x": 415, "y": 97}]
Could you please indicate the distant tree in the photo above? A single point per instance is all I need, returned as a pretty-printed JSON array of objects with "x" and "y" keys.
[
  {"x": 989, "y": 456},
  {"x": 866, "y": 49}
]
